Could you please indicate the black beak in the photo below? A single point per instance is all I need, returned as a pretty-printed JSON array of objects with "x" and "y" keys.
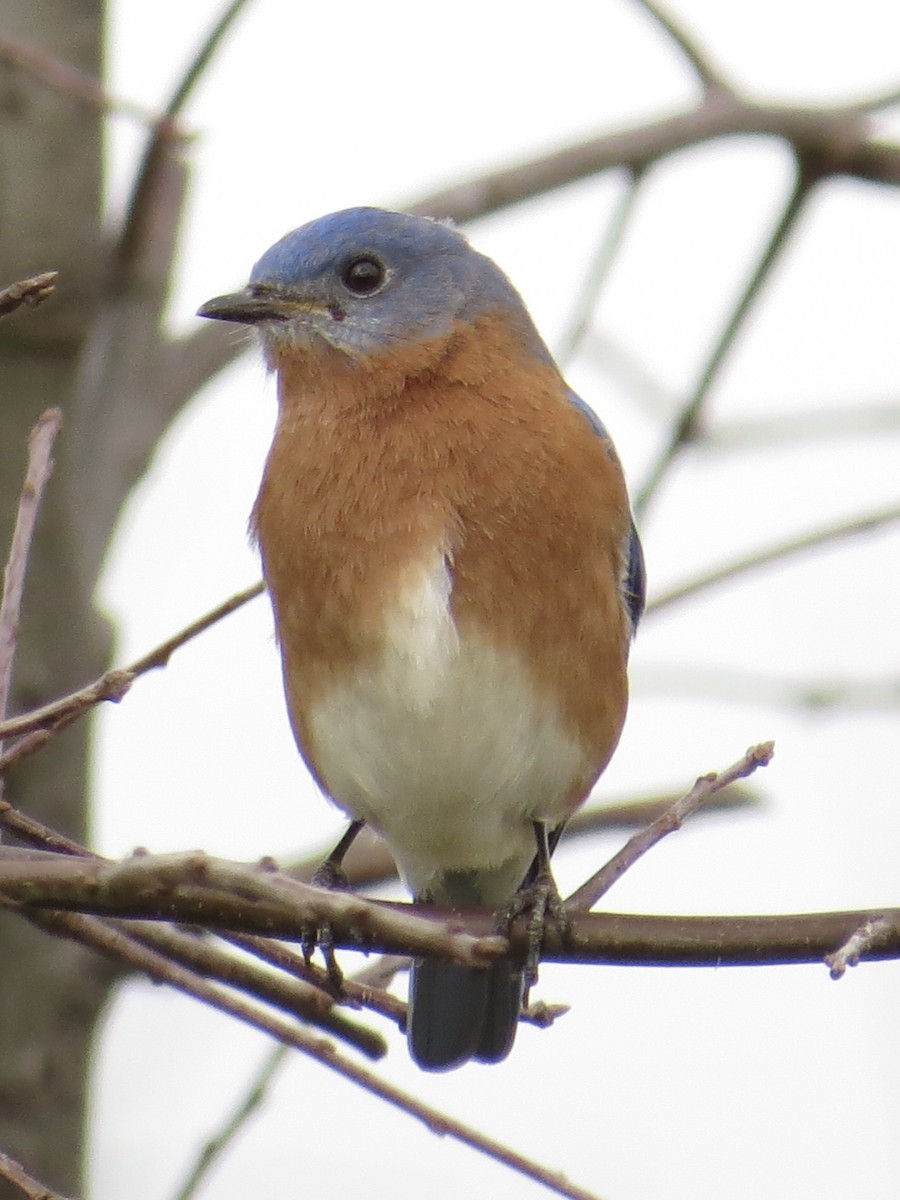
[{"x": 245, "y": 308}]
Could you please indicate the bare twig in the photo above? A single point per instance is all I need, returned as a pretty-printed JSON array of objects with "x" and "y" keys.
[
  {"x": 599, "y": 269},
  {"x": 708, "y": 75},
  {"x": 14, "y": 1173},
  {"x": 147, "y": 181},
  {"x": 598, "y": 937},
  {"x": 746, "y": 687},
  {"x": 869, "y": 935},
  {"x": 68, "y": 80},
  {"x": 770, "y": 554},
  {"x": 616, "y": 360},
  {"x": 40, "y": 466},
  {"x": 840, "y": 421},
  {"x": 234, "y": 1123},
  {"x": 373, "y": 977},
  {"x": 32, "y": 292},
  {"x": 196, "y": 888},
  {"x": 686, "y": 426},
  {"x": 160, "y": 656},
  {"x": 310, "y": 1003},
  {"x": 591, "y": 937},
  {"x": 599, "y": 884},
  {"x": 113, "y": 685},
  {"x": 191, "y": 956},
  {"x": 362, "y": 990},
  {"x": 839, "y": 136},
  {"x": 105, "y": 939}
]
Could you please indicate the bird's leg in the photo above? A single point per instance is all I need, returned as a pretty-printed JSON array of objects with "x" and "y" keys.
[
  {"x": 330, "y": 875},
  {"x": 540, "y": 898}
]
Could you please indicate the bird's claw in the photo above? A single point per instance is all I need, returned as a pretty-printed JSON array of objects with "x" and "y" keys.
[{"x": 541, "y": 900}]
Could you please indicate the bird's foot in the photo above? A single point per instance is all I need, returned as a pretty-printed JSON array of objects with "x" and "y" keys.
[
  {"x": 540, "y": 899},
  {"x": 331, "y": 876}
]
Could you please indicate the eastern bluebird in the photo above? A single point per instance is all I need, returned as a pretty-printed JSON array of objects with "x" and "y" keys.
[{"x": 454, "y": 571}]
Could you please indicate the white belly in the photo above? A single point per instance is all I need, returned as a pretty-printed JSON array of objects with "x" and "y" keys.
[{"x": 443, "y": 745}]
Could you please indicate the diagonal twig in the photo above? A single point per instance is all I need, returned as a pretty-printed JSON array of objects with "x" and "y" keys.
[
  {"x": 37, "y": 473},
  {"x": 709, "y": 76},
  {"x": 64, "y": 78},
  {"x": 113, "y": 685},
  {"x": 685, "y": 427},
  {"x": 216, "y": 1145},
  {"x": 599, "y": 884},
  {"x": 600, "y": 268},
  {"x": 770, "y": 554},
  {"x": 13, "y": 1172}
]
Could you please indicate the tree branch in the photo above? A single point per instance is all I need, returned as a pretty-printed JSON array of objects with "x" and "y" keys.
[
  {"x": 37, "y": 473},
  {"x": 709, "y": 76},
  {"x": 686, "y": 426},
  {"x": 113, "y": 685},
  {"x": 770, "y": 554},
  {"x": 190, "y": 888},
  {"x": 14, "y": 1173},
  {"x": 667, "y": 822}
]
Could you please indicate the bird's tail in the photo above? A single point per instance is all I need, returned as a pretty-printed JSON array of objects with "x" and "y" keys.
[{"x": 459, "y": 1013}]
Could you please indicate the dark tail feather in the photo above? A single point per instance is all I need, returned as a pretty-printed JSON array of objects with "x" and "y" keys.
[{"x": 459, "y": 1013}]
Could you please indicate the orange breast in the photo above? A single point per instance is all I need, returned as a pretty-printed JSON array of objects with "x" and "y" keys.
[{"x": 374, "y": 463}]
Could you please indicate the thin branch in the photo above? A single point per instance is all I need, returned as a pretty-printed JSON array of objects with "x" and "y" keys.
[
  {"x": 709, "y": 76},
  {"x": 204, "y": 56},
  {"x": 37, "y": 473},
  {"x": 849, "y": 420},
  {"x": 362, "y": 990},
  {"x": 747, "y": 687},
  {"x": 146, "y": 188},
  {"x": 311, "y": 1003},
  {"x": 884, "y": 99},
  {"x": 68, "y": 80},
  {"x": 592, "y": 937},
  {"x": 14, "y": 1173},
  {"x": 837, "y": 136},
  {"x": 198, "y": 889},
  {"x": 599, "y": 884},
  {"x": 599, "y": 269},
  {"x": 685, "y": 428},
  {"x": 781, "y": 550},
  {"x": 190, "y": 956},
  {"x": 160, "y": 656},
  {"x": 234, "y": 1123},
  {"x": 625, "y": 368},
  {"x": 371, "y": 980},
  {"x": 113, "y": 685},
  {"x": 104, "y": 938},
  {"x": 32, "y": 291}
]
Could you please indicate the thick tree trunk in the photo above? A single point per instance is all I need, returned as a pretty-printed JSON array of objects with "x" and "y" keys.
[{"x": 50, "y": 178}]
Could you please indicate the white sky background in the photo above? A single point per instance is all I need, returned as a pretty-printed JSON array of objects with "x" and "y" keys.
[{"x": 678, "y": 1084}]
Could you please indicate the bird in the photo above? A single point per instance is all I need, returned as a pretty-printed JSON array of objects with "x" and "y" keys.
[{"x": 454, "y": 571}]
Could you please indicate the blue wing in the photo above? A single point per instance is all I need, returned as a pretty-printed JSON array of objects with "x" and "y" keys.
[
  {"x": 635, "y": 588},
  {"x": 635, "y": 582}
]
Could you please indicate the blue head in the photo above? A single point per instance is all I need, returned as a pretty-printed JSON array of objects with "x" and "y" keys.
[{"x": 366, "y": 281}]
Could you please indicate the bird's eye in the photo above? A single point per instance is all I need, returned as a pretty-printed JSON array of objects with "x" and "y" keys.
[{"x": 363, "y": 275}]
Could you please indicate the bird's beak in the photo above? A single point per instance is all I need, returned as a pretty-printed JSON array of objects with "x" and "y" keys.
[{"x": 248, "y": 307}]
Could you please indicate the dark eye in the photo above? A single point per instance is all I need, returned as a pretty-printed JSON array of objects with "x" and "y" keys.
[{"x": 363, "y": 275}]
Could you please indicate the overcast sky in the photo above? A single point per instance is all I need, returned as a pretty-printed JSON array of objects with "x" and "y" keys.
[{"x": 678, "y": 1084}]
